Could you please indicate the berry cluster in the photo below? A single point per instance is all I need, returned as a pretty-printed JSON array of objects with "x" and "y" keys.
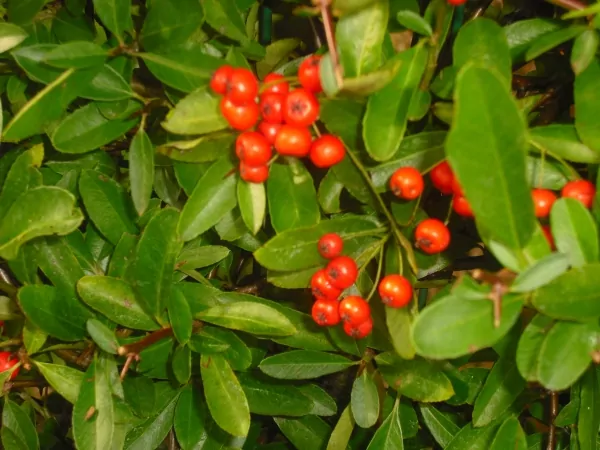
[
  {"x": 431, "y": 235},
  {"x": 327, "y": 285},
  {"x": 286, "y": 115}
]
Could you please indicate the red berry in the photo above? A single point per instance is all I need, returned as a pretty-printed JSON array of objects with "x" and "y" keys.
[
  {"x": 354, "y": 309},
  {"x": 330, "y": 245},
  {"x": 325, "y": 312},
  {"x": 461, "y": 206},
  {"x": 457, "y": 188},
  {"x": 327, "y": 151},
  {"x": 281, "y": 87},
  {"x": 242, "y": 86},
  {"x": 240, "y": 117},
  {"x": 321, "y": 286},
  {"x": 253, "y": 148},
  {"x": 342, "y": 272},
  {"x": 220, "y": 79},
  {"x": 254, "y": 174},
  {"x": 407, "y": 183},
  {"x": 442, "y": 177},
  {"x": 292, "y": 140},
  {"x": 269, "y": 130},
  {"x": 432, "y": 236},
  {"x": 456, "y": 2},
  {"x": 359, "y": 331},
  {"x": 308, "y": 74},
  {"x": 7, "y": 361},
  {"x": 549, "y": 237},
  {"x": 581, "y": 190},
  {"x": 395, "y": 291},
  {"x": 1, "y": 323},
  {"x": 271, "y": 107},
  {"x": 301, "y": 108},
  {"x": 543, "y": 199}
]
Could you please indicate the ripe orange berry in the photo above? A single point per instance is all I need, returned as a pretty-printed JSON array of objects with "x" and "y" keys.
[
  {"x": 242, "y": 86},
  {"x": 325, "y": 312},
  {"x": 254, "y": 174},
  {"x": 461, "y": 206},
  {"x": 322, "y": 287},
  {"x": 269, "y": 130},
  {"x": 342, "y": 272},
  {"x": 359, "y": 331},
  {"x": 301, "y": 108},
  {"x": 239, "y": 117},
  {"x": 271, "y": 107},
  {"x": 292, "y": 140},
  {"x": 220, "y": 79},
  {"x": 7, "y": 362},
  {"x": 253, "y": 148},
  {"x": 327, "y": 151},
  {"x": 281, "y": 87},
  {"x": 407, "y": 183},
  {"x": 543, "y": 199},
  {"x": 395, "y": 291},
  {"x": 442, "y": 177},
  {"x": 581, "y": 190},
  {"x": 330, "y": 245},
  {"x": 308, "y": 74},
  {"x": 432, "y": 236},
  {"x": 354, "y": 309}
]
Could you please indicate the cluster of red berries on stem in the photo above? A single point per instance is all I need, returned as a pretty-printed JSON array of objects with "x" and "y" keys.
[
  {"x": 431, "y": 235},
  {"x": 285, "y": 114},
  {"x": 327, "y": 285}
]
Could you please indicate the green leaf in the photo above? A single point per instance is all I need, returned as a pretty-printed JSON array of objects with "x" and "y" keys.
[
  {"x": 180, "y": 316},
  {"x": 225, "y": 17},
  {"x": 587, "y": 84},
  {"x": 103, "y": 336},
  {"x": 488, "y": 123},
  {"x": 474, "y": 438},
  {"x": 179, "y": 71},
  {"x": 340, "y": 436},
  {"x": 574, "y": 295},
  {"x": 11, "y": 441},
  {"x": 108, "y": 85},
  {"x": 522, "y": 33},
  {"x": 23, "y": 11},
  {"x": 292, "y": 197},
  {"x": 562, "y": 140},
  {"x": 303, "y": 364},
  {"x": 116, "y": 300},
  {"x": 107, "y": 205},
  {"x": 41, "y": 211},
  {"x": 322, "y": 403},
  {"x": 249, "y": 317},
  {"x": 302, "y": 243},
  {"x": 208, "y": 147},
  {"x": 212, "y": 198},
  {"x": 63, "y": 379},
  {"x": 190, "y": 418},
  {"x": 141, "y": 170},
  {"x": 584, "y": 50},
  {"x": 389, "y": 436},
  {"x": 308, "y": 432},
  {"x": 33, "y": 338},
  {"x": 483, "y": 42},
  {"x": 469, "y": 322},
  {"x": 360, "y": 38},
  {"x": 384, "y": 123},
  {"x": 351, "y": 178},
  {"x": 589, "y": 415},
  {"x": 224, "y": 395},
  {"x": 418, "y": 379},
  {"x": 565, "y": 354},
  {"x": 364, "y": 399},
  {"x": 440, "y": 426},
  {"x": 21, "y": 176},
  {"x": 11, "y": 35},
  {"x": 574, "y": 231},
  {"x": 196, "y": 255},
  {"x": 271, "y": 398},
  {"x": 238, "y": 354},
  {"x": 501, "y": 388},
  {"x": 542, "y": 272},
  {"x": 399, "y": 322},
  {"x": 77, "y": 55},
  {"x": 87, "y": 129},
  {"x": 252, "y": 201},
  {"x": 548, "y": 41},
  {"x": 413, "y": 21},
  {"x": 510, "y": 435},
  {"x": 116, "y": 16},
  {"x": 95, "y": 432},
  {"x": 151, "y": 271},
  {"x": 329, "y": 193},
  {"x": 18, "y": 421},
  {"x": 181, "y": 364},
  {"x": 197, "y": 113}
]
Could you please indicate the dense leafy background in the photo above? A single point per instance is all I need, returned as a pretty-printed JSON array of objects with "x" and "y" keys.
[{"x": 127, "y": 237}]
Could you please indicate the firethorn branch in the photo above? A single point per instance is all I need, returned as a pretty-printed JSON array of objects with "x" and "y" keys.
[
  {"x": 552, "y": 427},
  {"x": 152, "y": 338},
  {"x": 329, "y": 35}
]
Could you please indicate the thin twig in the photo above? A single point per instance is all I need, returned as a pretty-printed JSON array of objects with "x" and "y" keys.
[
  {"x": 128, "y": 362},
  {"x": 147, "y": 341},
  {"x": 552, "y": 427},
  {"x": 329, "y": 35},
  {"x": 571, "y": 5}
]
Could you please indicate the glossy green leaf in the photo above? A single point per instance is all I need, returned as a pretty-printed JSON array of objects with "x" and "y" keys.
[
  {"x": 399, "y": 322},
  {"x": 574, "y": 231},
  {"x": 103, "y": 336},
  {"x": 196, "y": 256},
  {"x": 364, "y": 399},
  {"x": 224, "y": 395},
  {"x": 115, "y": 15},
  {"x": 440, "y": 426},
  {"x": 190, "y": 418},
  {"x": 116, "y": 300},
  {"x": 180, "y": 316},
  {"x": 21, "y": 176},
  {"x": 389, "y": 436},
  {"x": 308, "y": 432},
  {"x": 107, "y": 205},
  {"x": 181, "y": 364},
  {"x": 237, "y": 353},
  {"x": 224, "y": 16},
  {"x": 587, "y": 84},
  {"x": 563, "y": 141},
  {"x": 574, "y": 295},
  {"x": 483, "y": 103},
  {"x": 108, "y": 85},
  {"x": 474, "y": 438},
  {"x": 520, "y": 34},
  {"x": 340, "y": 436},
  {"x": 329, "y": 193},
  {"x": 292, "y": 197},
  {"x": 11, "y": 35},
  {"x": 141, "y": 170},
  {"x": 322, "y": 403},
  {"x": 565, "y": 354},
  {"x": 483, "y": 42},
  {"x": 413, "y": 21},
  {"x": 16, "y": 420},
  {"x": 589, "y": 415},
  {"x": 10, "y": 440},
  {"x": 303, "y": 364},
  {"x": 542, "y": 272},
  {"x": 198, "y": 113},
  {"x": 469, "y": 322},
  {"x": 249, "y": 317},
  {"x": 208, "y": 147},
  {"x": 77, "y": 55},
  {"x": 584, "y": 50},
  {"x": 548, "y": 41},
  {"x": 63, "y": 379},
  {"x": 510, "y": 435},
  {"x": 384, "y": 123},
  {"x": 212, "y": 198},
  {"x": 252, "y": 201},
  {"x": 33, "y": 338},
  {"x": 417, "y": 379}
]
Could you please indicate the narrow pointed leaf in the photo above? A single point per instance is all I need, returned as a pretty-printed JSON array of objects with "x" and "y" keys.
[{"x": 303, "y": 364}]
